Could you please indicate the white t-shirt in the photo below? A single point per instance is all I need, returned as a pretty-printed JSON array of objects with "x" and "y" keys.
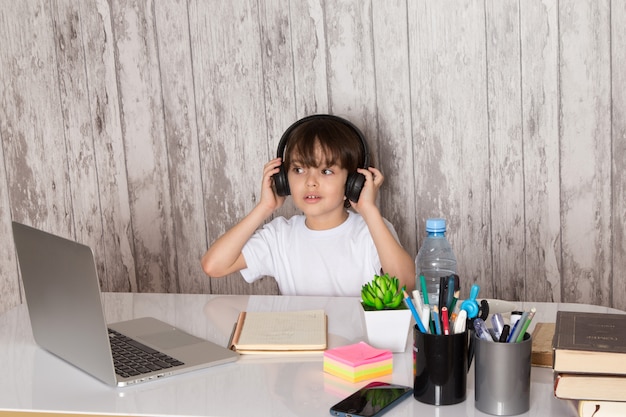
[{"x": 334, "y": 262}]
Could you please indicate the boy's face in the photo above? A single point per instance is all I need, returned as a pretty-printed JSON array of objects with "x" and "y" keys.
[{"x": 318, "y": 191}]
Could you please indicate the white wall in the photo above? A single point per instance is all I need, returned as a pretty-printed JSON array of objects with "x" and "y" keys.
[{"x": 141, "y": 129}]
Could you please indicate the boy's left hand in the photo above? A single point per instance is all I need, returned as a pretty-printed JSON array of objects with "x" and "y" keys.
[{"x": 373, "y": 180}]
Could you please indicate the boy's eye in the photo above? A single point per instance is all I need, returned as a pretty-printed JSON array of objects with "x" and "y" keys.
[
  {"x": 327, "y": 171},
  {"x": 298, "y": 170}
]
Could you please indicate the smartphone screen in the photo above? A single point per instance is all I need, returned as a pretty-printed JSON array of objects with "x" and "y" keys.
[{"x": 371, "y": 401}]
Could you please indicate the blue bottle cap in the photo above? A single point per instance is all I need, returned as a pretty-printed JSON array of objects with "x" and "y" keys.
[{"x": 436, "y": 225}]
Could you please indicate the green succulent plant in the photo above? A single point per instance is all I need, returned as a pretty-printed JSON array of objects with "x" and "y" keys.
[{"x": 382, "y": 293}]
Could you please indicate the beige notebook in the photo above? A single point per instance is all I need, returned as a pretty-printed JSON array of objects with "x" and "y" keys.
[{"x": 280, "y": 331}]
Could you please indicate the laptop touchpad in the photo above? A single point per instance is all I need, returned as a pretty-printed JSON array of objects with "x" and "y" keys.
[{"x": 171, "y": 339}]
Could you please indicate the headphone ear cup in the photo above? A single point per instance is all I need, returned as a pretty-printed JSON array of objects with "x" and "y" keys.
[
  {"x": 354, "y": 185},
  {"x": 280, "y": 182}
]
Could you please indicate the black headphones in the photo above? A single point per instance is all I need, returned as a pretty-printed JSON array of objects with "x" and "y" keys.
[{"x": 355, "y": 181}]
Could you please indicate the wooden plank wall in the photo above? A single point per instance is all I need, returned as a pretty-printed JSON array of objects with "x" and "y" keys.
[{"x": 141, "y": 128}]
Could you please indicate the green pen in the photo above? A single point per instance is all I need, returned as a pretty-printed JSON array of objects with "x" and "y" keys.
[
  {"x": 426, "y": 303},
  {"x": 454, "y": 300},
  {"x": 526, "y": 324},
  {"x": 424, "y": 290}
]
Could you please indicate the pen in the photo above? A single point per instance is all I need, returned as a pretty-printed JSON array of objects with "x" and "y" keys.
[
  {"x": 450, "y": 293},
  {"x": 424, "y": 290},
  {"x": 425, "y": 317},
  {"x": 409, "y": 304},
  {"x": 517, "y": 328},
  {"x": 443, "y": 292},
  {"x": 515, "y": 315},
  {"x": 417, "y": 300},
  {"x": 425, "y": 296},
  {"x": 461, "y": 322},
  {"x": 520, "y": 337},
  {"x": 452, "y": 317},
  {"x": 457, "y": 293},
  {"x": 445, "y": 320},
  {"x": 505, "y": 333},
  {"x": 481, "y": 330},
  {"x": 436, "y": 320},
  {"x": 497, "y": 323}
]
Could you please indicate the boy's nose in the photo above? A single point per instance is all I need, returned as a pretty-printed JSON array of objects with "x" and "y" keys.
[{"x": 311, "y": 181}]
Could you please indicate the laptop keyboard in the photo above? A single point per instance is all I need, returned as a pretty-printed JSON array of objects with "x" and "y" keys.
[{"x": 132, "y": 358}]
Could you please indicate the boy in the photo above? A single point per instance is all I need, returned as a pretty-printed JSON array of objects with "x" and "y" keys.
[{"x": 327, "y": 250}]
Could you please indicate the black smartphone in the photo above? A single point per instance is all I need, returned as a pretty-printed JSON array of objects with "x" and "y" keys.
[{"x": 372, "y": 400}]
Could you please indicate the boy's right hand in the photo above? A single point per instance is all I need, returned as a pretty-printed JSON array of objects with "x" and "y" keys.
[{"x": 269, "y": 199}]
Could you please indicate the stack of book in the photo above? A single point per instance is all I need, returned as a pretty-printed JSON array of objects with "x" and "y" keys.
[
  {"x": 591, "y": 408},
  {"x": 589, "y": 363}
]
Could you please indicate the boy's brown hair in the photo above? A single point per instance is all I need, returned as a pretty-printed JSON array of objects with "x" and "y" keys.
[{"x": 340, "y": 145}]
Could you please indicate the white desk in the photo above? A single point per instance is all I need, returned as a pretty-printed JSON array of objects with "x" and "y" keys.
[{"x": 34, "y": 380}]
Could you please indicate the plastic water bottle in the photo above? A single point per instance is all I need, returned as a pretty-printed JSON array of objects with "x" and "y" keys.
[{"x": 435, "y": 259}]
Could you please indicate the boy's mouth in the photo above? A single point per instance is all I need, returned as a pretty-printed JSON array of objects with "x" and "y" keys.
[{"x": 312, "y": 197}]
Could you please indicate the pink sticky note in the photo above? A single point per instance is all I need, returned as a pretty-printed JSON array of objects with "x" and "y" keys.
[{"x": 358, "y": 354}]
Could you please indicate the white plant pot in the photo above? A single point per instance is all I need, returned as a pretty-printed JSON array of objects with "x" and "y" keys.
[{"x": 388, "y": 329}]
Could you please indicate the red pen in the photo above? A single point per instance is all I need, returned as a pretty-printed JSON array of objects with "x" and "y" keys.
[{"x": 445, "y": 321}]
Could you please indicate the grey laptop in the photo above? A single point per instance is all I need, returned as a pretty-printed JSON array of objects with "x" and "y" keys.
[{"x": 63, "y": 297}]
